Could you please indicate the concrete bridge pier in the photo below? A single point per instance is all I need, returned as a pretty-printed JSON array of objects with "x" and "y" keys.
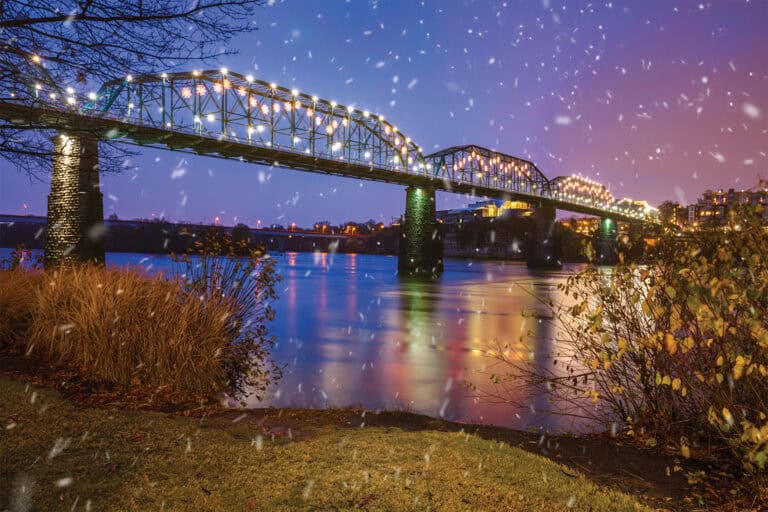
[
  {"x": 543, "y": 240},
  {"x": 420, "y": 251},
  {"x": 606, "y": 243},
  {"x": 75, "y": 231}
]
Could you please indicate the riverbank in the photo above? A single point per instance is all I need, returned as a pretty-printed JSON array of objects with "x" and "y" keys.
[
  {"x": 70, "y": 442},
  {"x": 124, "y": 450},
  {"x": 61, "y": 455}
]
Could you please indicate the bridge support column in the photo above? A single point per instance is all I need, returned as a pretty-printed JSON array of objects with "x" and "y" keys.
[
  {"x": 606, "y": 243},
  {"x": 543, "y": 241},
  {"x": 75, "y": 231},
  {"x": 420, "y": 250}
]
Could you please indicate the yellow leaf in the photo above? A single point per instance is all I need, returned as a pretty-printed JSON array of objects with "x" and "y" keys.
[
  {"x": 727, "y": 415},
  {"x": 676, "y": 384},
  {"x": 719, "y": 378},
  {"x": 684, "y": 391},
  {"x": 738, "y": 368},
  {"x": 671, "y": 343},
  {"x": 719, "y": 361},
  {"x": 622, "y": 343},
  {"x": 666, "y": 380},
  {"x": 686, "y": 451}
]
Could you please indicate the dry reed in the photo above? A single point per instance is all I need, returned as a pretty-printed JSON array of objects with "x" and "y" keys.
[{"x": 120, "y": 326}]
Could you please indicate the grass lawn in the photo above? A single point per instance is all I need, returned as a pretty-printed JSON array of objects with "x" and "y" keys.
[{"x": 58, "y": 455}]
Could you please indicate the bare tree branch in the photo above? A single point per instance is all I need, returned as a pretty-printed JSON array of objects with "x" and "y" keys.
[{"x": 49, "y": 46}]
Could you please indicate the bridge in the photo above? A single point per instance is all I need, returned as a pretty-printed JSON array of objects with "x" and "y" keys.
[{"x": 230, "y": 115}]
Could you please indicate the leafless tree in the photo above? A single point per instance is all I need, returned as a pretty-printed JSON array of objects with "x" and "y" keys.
[{"x": 83, "y": 43}]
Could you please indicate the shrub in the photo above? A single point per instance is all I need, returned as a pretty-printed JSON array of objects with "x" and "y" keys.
[
  {"x": 122, "y": 327},
  {"x": 17, "y": 296},
  {"x": 244, "y": 277},
  {"x": 198, "y": 335},
  {"x": 678, "y": 350}
]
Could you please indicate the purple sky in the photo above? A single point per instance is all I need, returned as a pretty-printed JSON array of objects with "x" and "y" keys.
[{"x": 659, "y": 99}]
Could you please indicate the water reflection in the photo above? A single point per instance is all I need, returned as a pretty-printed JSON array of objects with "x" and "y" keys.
[{"x": 353, "y": 333}]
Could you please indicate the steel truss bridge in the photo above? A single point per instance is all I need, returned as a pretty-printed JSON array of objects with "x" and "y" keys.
[{"x": 226, "y": 114}]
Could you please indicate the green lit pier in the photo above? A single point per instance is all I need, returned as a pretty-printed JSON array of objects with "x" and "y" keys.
[
  {"x": 421, "y": 242},
  {"x": 606, "y": 242}
]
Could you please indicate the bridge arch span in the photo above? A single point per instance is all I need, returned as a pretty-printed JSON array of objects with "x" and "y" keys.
[{"x": 231, "y": 107}]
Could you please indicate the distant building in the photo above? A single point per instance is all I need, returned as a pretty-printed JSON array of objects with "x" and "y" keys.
[
  {"x": 713, "y": 206},
  {"x": 484, "y": 209},
  {"x": 582, "y": 225},
  {"x": 674, "y": 213}
]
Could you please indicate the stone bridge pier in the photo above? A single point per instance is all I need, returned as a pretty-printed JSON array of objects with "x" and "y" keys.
[
  {"x": 420, "y": 249},
  {"x": 543, "y": 240},
  {"x": 75, "y": 230}
]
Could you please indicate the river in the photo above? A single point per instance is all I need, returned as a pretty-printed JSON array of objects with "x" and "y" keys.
[{"x": 351, "y": 332}]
